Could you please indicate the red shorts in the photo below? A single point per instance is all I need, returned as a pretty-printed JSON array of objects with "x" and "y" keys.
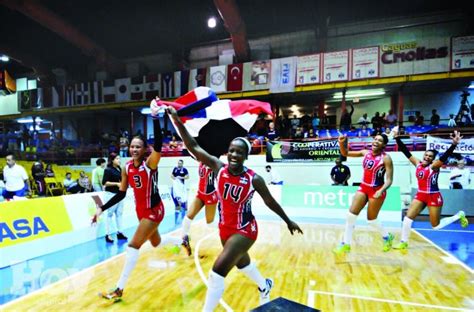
[
  {"x": 370, "y": 191},
  {"x": 207, "y": 199},
  {"x": 155, "y": 214},
  {"x": 250, "y": 231},
  {"x": 430, "y": 199}
]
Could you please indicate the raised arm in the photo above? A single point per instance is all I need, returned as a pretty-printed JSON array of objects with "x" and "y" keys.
[
  {"x": 456, "y": 137},
  {"x": 155, "y": 156},
  {"x": 259, "y": 185},
  {"x": 343, "y": 147},
  {"x": 201, "y": 155}
]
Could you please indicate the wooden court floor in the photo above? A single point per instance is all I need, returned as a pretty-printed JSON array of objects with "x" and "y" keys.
[{"x": 303, "y": 268}]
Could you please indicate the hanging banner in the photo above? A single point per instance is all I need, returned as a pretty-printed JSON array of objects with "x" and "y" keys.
[
  {"x": 291, "y": 151},
  {"x": 466, "y": 146},
  {"x": 257, "y": 75},
  {"x": 283, "y": 75},
  {"x": 462, "y": 56},
  {"x": 365, "y": 63},
  {"x": 307, "y": 69},
  {"x": 336, "y": 66}
]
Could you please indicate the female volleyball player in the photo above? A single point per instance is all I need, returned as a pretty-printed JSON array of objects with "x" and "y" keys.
[
  {"x": 235, "y": 185},
  {"x": 376, "y": 164},
  {"x": 427, "y": 171},
  {"x": 141, "y": 174},
  {"x": 206, "y": 196}
]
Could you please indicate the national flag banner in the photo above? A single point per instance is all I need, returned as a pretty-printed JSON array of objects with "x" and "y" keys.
[
  {"x": 82, "y": 93},
  {"x": 152, "y": 86},
  {"x": 137, "y": 91},
  {"x": 70, "y": 95},
  {"x": 57, "y": 96},
  {"x": 218, "y": 78},
  {"x": 167, "y": 85},
  {"x": 122, "y": 89},
  {"x": 257, "y": 75},
  {"x": 197, "y": 78},
  {"x": 336, "y": 66},
  {"x": 45, "y": 97},
  {"x": 365, "y": 63},
  {"x": 181, "y": 79},
  {"x": 28, "y": 99},
  {"x": 177, "y": 83},
  {"x": 215, "y": 123},
  {"x": 308, "y": 69},
  {"x": 95, "y": 92},
  {"x": 234, "y": 77},
  {"x": 283, "y": 75},
  {"x": 108, "y": 91},
  {"x": 462, "y": 53}
]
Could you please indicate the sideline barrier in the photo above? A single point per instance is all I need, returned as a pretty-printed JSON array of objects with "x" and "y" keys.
[{"x": 35, "y": 227}]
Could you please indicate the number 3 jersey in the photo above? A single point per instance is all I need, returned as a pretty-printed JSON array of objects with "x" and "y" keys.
[
  {"x": 235, "y": 194},
  {"x": 144, "y": 182}
]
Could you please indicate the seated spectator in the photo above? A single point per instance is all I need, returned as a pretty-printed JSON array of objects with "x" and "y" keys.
[
  {"x": 419, "y": 119},
  {"x": 402, "y": 131},
  {"x": 377, "y": 121},
  {"x": 451, "y": 121},
  {"x": 49, "y": 171},
  {"x": 391, "y": 118},
  {"x": 364, "y": 132},
  {"x": 298, "y": 133},
  {"x": 84, "y": 183},
  {"x": 70, "y": 184},
  {"x": 310, "y": 134},
  {"x": 38, "y": 174},
  {"x": 272, "y": 134},
  {"x": 434, "y": 121},
  {"x": 363, "y": 121},
  {"x": 173, "y": 143},
  {"x": 377, "y": 131},
  {"x": 353, "y": 132},
  {"x": 315, "y": 122},
  {"x": 465, "y": 118}
]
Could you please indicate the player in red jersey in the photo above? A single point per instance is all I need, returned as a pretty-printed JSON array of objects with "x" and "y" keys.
[
  {"x": 377, "y": 166},
  {"x": 427, "y": 171},
  {"x": 206, "y": 196},
  {"x": 235, "y": 186},
  {"x": 141, "y": 174}
]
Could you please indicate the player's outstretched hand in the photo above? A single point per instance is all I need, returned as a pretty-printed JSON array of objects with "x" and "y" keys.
[
  {"x": 98, "y": 212},
  {"x": 456, "y": 137},
  {"x": 293, "y": 227},
  {"x": 172, "y": 112},
  {"x": 342, "y": 138}
]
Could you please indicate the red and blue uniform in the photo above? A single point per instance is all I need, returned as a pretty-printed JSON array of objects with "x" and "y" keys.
[
  {"x": 428, "y": 190},
  {"x": 374, "y": 173},
  {"x": 206, "y": 188},
  {"x": 235, "y": 193},
  {"x": 144, "y": 182}
]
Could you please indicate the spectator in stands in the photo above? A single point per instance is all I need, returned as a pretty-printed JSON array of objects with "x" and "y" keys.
[
  {"x": 340, "y": 173},
  {"x": 70, "y": 184},
  {"x": 272, "y": 134},
  {"x": 84, "y": 183},
  {"x": 298, "y": 133},
  {"x": 49, "y": 173},
  {"x": 310, "y": 134},
  {"x": 173, "y": 143},
  {"x": 12, "y": 144},
  {"x": 38, "y": 173},
  {"x": 98, "y": 175},
  {"x": 364, "y": 132},
  {"x": 325, "y": 122},
  {"x": 346, "y": 118},
  {"x": 111, "y": 182},
  {"x": 353, "y": 132},
  {"x": 286, "y": 127},
  {"x": 434, "y": 121},
  {"x": 419, "y": 119},
  {"x": 16, "y": 179},
  {"x": 401, "y": 131},
  {"x": 295, "y": 123},
  {"x": 377, "y": 121},
  {"x": 391, "y": 118},
  {"x": 275, "y": 178},
  {"x": 123, "y": 145},
  {"x": 306, "y": 120},
  {"x": 460, "y": 176},
  {"x": 363, "y": 121},
  {"x": 451, "y": 121},
  {"x": 465, "y": 118},
  {"x": 377, "y": 131},
  {"x": 315, "y": 122}
]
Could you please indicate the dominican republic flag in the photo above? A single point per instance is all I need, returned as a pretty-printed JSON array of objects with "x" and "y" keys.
[
  {"x": 215, "y": 123},
  {"x": 108, "y": 91}
]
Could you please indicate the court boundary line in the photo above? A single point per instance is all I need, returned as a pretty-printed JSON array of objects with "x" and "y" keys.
[
  {"x": 16, "y": 300},
  {"x": 311, "y": 300},
  {"x": 455, "y": 231},
  {"x": 465, "y": 266},
  {"x": 201, "y": 272}
]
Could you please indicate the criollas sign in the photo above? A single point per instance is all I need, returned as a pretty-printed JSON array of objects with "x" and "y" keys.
[{"x": 410, "y": 52}]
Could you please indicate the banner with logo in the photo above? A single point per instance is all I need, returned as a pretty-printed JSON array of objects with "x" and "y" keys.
[
  {"x": 462, "y": 56},
  {"x": 218, "y": 78},
  {"x": 466, "y": 146},
  {"x": 283, "y": 75},
  {"x": 414, "y": 57},
  {"x": 336, "y": 66},
  {"x": 365, "y": 63},
  {"x": 257, "y": 75},
  {"x": 291, "y": 151},
  {"x": 308, "y": 69}
]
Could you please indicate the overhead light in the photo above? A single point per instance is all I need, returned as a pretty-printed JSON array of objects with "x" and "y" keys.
[
  {"x": 29, "y": 120},
  {"x": 4, "y": 58},
  {"x": 359, "y": 93},
  {"x": 211, "y": 22},
  {"x": 145, "y": 111},
  {"x": 471, "y": 86}
]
